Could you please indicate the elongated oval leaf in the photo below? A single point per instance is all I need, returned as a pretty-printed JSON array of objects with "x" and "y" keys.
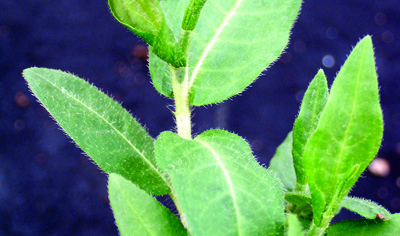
[
  {"x": 137, "y": 213},
  {"x": 233, "y": 42},
  {"x": 313, "y": 103},
  {"x": 145, "y": 18},
  {"x": 365, "y": 208},
  {"x": 100, "y": 126},
  {"x": 282, "y": 163},
  {"x": 366, "y": 227},
  {"x": 348, "y": 134},
  {"x": 220, "y": 187}
]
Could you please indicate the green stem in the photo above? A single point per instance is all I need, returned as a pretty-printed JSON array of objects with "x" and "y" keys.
[
  {"x": 182, "y": 106},
  {"x": 181, "y": 89},
  {"x": 316, "y": 231}
]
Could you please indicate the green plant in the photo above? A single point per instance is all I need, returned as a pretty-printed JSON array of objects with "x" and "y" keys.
[{"x": 203, "y": 53}]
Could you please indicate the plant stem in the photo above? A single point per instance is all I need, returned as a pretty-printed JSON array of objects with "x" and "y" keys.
[
  {"x": 181, "y": 89},
  {"x": 182, "y": 106},
  {"x": 316, "y": 231}
]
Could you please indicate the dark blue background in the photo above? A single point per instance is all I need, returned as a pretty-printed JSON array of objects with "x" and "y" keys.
[{"x": 48, "y": 187}]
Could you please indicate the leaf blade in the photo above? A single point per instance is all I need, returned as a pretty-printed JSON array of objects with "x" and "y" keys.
[
  {"x": 350, "y": 141},
  {"x": 282, "y": 163},
  {"x": 366, "y": 227},
  {"x": 100, "y": 127},
  {"x": 212, "y": 176},
  {"x": 365, "y": 208},
  {"x": 311, "y": 109},
  {"x": 137, "y": 213}
]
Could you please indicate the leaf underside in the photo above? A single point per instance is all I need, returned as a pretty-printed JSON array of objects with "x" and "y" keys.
[
  {"x": 104, "y": 130},
  {"x": 220, "y": 187},
  {"x": 348, "y": 134},
  {"x": 138, "y": 213},
  {"x": 233, "y": 42}
]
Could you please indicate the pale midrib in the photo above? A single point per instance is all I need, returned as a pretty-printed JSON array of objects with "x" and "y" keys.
[
  {"x": 228, "y": 180},
  {"x": 108, "y": 123},
  {"x": 213, "y": 41},
  {"x": 350, "y": 123},
  {"x": 137, "y": 216}
]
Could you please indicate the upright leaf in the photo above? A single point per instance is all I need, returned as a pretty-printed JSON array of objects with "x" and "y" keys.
[
  {"x": 366, "y": 227},
  {"x": 101, "y": 127},
  {"x": 348, "y": 134},
  {"x": 313, "y": 103},
  {"x": 145, "y": 18},
  {"x": 137, "y": 213},
  {"x": 219, "y": 186},
  {"x": 233, "y": 42},
  {"x": 282, "y": 163},
  {"x": 365, "y": 208}
]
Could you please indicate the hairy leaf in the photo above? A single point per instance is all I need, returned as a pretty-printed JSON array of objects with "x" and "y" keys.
[
  {"x": 313, "y": 103},
  {"x": 100, "y": 126},
  {"x": 294, "y": 226},
  {"x": 145, "y": 18},
  {"x": 366, "y": 227},
  {"x": 138, "y": 213},
  {"x": 365, "y": 208},
  {"x": 282, "y": 163},
  {"x": 233, "y": 42},
  {"x": 348, "y": 134},
  {"x": 219, "y": 186}
]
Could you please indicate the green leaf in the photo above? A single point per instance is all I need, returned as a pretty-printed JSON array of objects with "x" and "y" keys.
[
  {"x": 192, "y": 14},
  {"x": 300, "y": 204},
  {"x": 145, "y": 18},
  {"x": 100, "y": 127},
  {"x": 348, "y": 134},
  {"x": 219, "y": 186},
  {"x": 137, "y": 213},
  {"x": 233, "y": 42},
  {"x": 313, "y": 103},
  {"x": 366, "y": 227},
  {"x": 294, "y": 226},
  {"x": 282, "y": 163},
  {"x": 365, "y": 208}
]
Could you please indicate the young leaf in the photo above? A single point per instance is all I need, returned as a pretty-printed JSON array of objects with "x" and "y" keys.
[
  {"x": 365, "y": 208},
  {"x": 282, "y": 163},
  {"x": 101, "y": 127},
  {"x": 219, "y": 186},
  {"x": 294, "y": 226},
  {"x": 300, "y": 204},
  {"x": 192, "y": 14},
  {"x": 233, "y": 42},
  {"x": 137, "y": 213},
  {"x": 145, "y": 18},
  {"x": 313, "y": 103},
  {"x": 366, "y": 227},
  {"x": 348, "y": 134}
]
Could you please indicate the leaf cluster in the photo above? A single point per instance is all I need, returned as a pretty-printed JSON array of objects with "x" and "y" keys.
[{"x": 204, "y": 52}]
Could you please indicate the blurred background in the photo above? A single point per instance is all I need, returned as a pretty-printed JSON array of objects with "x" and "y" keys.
[{"x": 49, "y": 187}]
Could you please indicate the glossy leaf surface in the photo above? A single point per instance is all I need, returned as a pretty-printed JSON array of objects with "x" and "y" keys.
[
  {"x": 313, "y": 103},
  {"x": 220, "y": 187},
  {"x": 282, "y": 163},
  {"x": 348, "y": 134},
  {"x": 365, "y": 208},
  {"x": 138, "y": 213},
  {"x": 233, "y": 42},
  {"x": 366, "y": 227},
  {"x": 145, "y": 18},
  {"x": 104, "y": 130}
]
